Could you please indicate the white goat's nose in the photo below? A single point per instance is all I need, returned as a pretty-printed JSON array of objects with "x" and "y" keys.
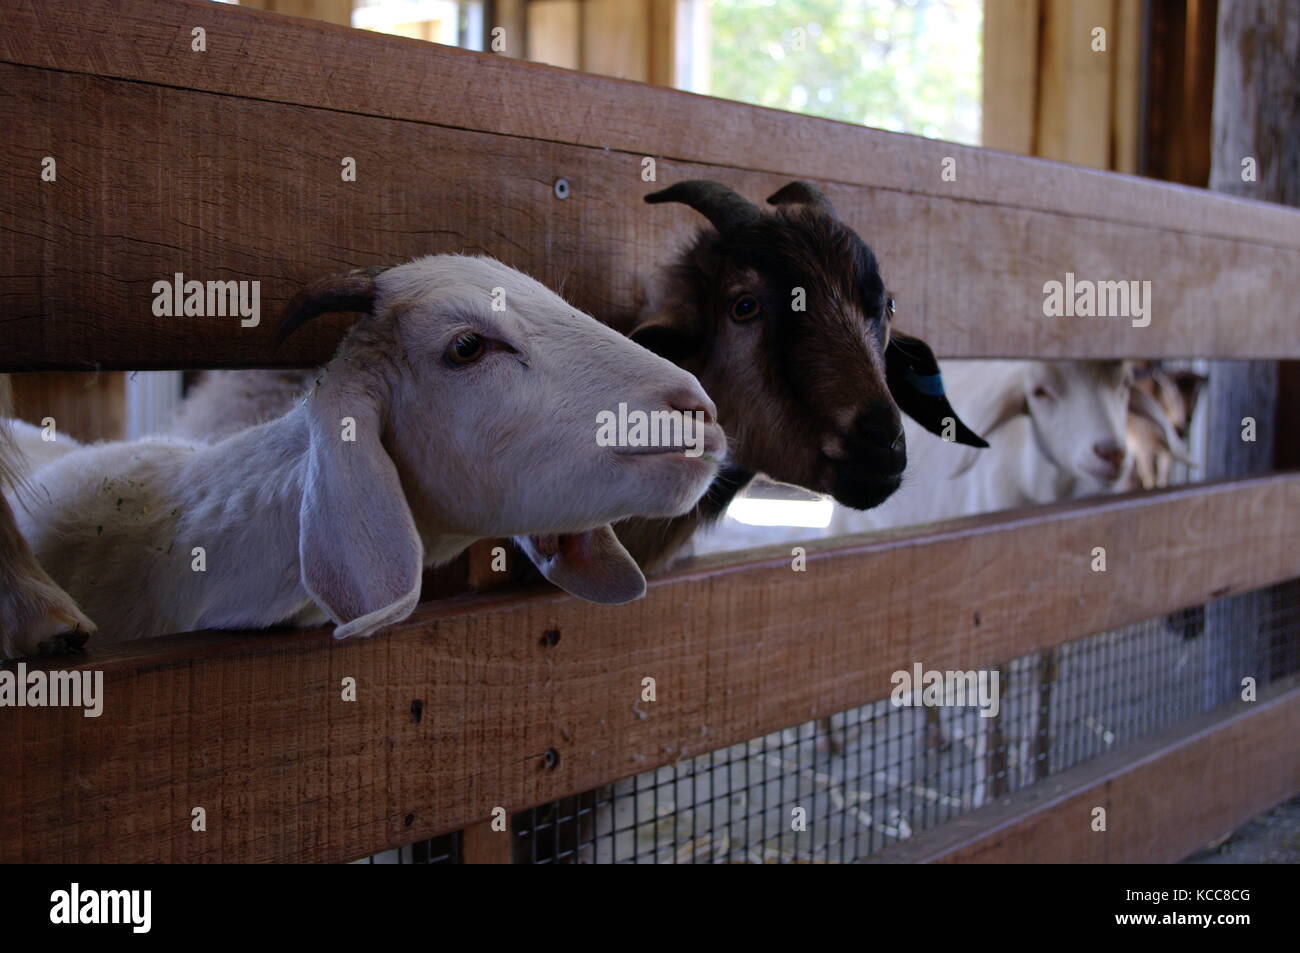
[
  {"x": 690, "y": 400},
  {"x": 1109, "y": 451}
]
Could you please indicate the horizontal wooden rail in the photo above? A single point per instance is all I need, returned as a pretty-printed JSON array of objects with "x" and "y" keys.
[
  {"x": 1165, "y": 797},
  {"x": 226, "y": 165},
  {"x": 513, "y": 699}
]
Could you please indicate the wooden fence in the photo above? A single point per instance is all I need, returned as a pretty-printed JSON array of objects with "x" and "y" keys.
[{"x": 225, "y": 164}]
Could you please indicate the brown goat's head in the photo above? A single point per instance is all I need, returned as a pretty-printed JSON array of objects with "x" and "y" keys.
[{"x": 785, "y": 320}]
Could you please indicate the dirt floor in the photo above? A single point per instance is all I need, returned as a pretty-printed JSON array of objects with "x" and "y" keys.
[{"x": 1271, "y": 838}]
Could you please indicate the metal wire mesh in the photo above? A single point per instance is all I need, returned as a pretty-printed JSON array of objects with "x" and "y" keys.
[{"x": 874, "y": 775}]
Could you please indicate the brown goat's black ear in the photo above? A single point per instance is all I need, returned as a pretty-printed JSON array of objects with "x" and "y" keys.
[
  {"x": 353, "y": 290},
  {"x": 668, "y": 335},
  {"x": 917, "y": 388}
]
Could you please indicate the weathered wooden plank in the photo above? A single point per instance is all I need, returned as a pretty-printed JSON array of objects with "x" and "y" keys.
[
  {"x": 219, "y": 188},
  {"x": 1165, "y": 797},
  {"x": 527, "y": 697},
  {"x": 254, "y": 55}
]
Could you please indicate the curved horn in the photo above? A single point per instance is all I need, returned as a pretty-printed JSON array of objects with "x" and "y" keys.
[
  {"x": 353, "y": 290},
  {"x": 719, "y": 204},
  {"x": 800, "y": 192}
]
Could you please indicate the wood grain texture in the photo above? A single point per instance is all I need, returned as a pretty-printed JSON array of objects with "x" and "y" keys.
[
  {"x": 85, "y": 406},
  {"x": 219, "y": 188},
  {"x": 616, "y": 37},
  {"x": 480, "y": 844},
  {"x": 555, "y": 32},
  {"x": 1010, "y": 76},
  {"x": 1075, "y": 82},
  {"x": 251, "y": 726},
  {"x": 318, "y": 64},
  {"x": 1165, "y": 797},
  {"x": 331, "y": 11}
]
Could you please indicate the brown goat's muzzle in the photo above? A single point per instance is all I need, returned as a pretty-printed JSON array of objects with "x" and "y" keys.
[{"x": 871, "y": 467}]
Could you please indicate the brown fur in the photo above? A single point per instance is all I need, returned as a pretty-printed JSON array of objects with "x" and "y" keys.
[
  {"x": 1177, "y": 393},
  {"x": 788, "y": 384}
]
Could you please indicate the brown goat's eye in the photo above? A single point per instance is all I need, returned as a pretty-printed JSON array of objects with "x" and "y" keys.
[
  {"x": 467, "y": 348},
  {"x": 745, "y": 308}
]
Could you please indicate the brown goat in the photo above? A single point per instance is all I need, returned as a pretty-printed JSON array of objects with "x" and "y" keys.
[{"x": 784, "y": 318}]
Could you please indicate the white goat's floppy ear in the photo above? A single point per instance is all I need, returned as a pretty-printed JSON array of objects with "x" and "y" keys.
[
  {"x": 1007, "y": 403},
  {"x": 593, "y": 565},
  {"x": 358, "y": 549}
]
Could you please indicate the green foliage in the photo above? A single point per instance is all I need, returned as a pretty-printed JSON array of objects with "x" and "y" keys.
[{"x": 904, "y": 65}]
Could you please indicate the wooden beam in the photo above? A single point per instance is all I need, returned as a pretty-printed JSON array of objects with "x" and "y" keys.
[
  {"x": 514, "y": 699},
  {"x": 195, "y": 163},
  {"x": 319, "y": 64},
  {"x": 262, "y": 198},
  {"x": 1164, "y": 797}
]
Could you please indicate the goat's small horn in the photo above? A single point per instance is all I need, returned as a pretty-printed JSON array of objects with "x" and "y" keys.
[
  {"x": 719, "y": 204},
  {"x": 800, "y": 192},
  {"x": 353, "y": 290}
]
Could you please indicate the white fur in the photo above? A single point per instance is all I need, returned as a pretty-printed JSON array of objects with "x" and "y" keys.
[
  {"x": 297, "y": 523},
  {"x": 35, "y": 613}
]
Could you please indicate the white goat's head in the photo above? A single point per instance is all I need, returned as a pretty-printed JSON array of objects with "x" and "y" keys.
[
  {"x": 466, "y": 406},
  {"x": 1079, "y": 412}
]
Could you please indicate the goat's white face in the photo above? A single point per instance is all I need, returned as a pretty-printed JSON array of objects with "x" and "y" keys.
[
  {"x": 1079, "y": 411},
  {"x": 494, "y": 414},
  {"x": 474, "y": 397}
]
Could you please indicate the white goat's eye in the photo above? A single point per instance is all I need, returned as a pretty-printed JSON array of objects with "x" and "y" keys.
[
  {"x": 890, "y": 308},
  {"x": 467, "y": 348},
  {"x": 1042, "y": 393},
  {"x": 745, "y": 307}
]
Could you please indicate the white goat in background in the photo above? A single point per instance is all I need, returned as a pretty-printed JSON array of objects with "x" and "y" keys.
[
  {"x": 1056, "y": 431},
  {"x": 440, "y": 421}
]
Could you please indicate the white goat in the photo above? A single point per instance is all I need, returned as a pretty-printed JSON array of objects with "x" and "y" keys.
[
  {"x": 35, "y": 614},
  {"x": 440, "y": 421},
  {"x": 1056, "y": 431}
]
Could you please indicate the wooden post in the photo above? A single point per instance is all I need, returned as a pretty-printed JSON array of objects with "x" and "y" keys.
[
  {"x": 512, "y": 16},
  {"x": 1255, "y": 151},
  {"x": 331, "y": 11},
  {"x": 480, "y": 844}
]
